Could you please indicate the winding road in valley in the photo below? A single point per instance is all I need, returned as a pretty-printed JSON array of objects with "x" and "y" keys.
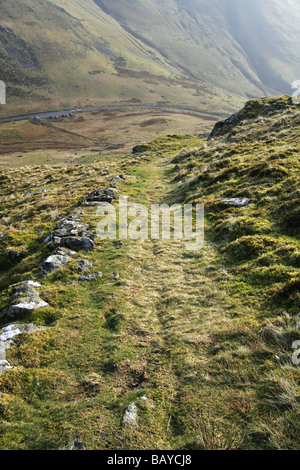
[{"x": 47, "y": 114}]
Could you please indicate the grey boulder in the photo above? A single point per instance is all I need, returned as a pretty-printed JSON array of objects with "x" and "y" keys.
[
  {"x": 25, "y": 299},
  {"x": 54, "y": 263},
  {"x": 237, "y": 202},
  {"x": 84, "y": 265},
  {"x": 131, "y": 416}
]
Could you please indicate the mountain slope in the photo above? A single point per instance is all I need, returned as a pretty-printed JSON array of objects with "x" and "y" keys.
[
  {"x": 201, "y": 342},
  {"x": 221, "y": 41},
  {"x": 190, "y": 53}
]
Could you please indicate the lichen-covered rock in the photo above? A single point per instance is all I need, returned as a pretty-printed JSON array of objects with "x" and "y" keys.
[
  {"x": 16, "y": 329},
  {"x": 131, "y": 416},
  {"x": 73, "y": 234},
  {"x": 25, "y": 299},
  {"x": 54, "y": 263},
  {"x": 70, "y": 226},
  {"x": 84, "y": 265}
]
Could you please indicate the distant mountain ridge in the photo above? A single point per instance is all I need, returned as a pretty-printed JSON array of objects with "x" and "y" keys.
[{"x": 191, "y": 53}]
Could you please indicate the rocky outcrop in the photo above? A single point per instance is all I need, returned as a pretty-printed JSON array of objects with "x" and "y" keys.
[
  {"x": 141, "y": 148},
  {"x": 70, "y": 236},
  {"x": 72, "y": 233},
  {"x": 252, "y": 110},
  {"x": 222, "y": 126}
]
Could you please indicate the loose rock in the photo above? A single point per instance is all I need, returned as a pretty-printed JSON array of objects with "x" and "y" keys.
[
  {"x": 102, "y": 195},
  {"x": 26, "y": 299},
  {"x": 76, "y": 445},
  {"x": 84, "y": 265},
  {"x": 90, "y": 277},
  {"x": 237, "y": 202},
  {"x": 54, "y": 263},
  {"x": 131, "y": 416}
]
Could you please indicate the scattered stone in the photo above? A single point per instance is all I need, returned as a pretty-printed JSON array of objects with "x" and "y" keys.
[
  {"x": 118, "y": 178},
  {"x": 25, "y": 299},
  {"x": 90, "y": 277},
  {"x": 33, "y": 193},
  {"x": 237, "y": 202},
  {"x": 94, "y": 204},
  {"x": 70, "y": 226},
  {"x": 131, "y": 416},
  {"x": 102, "y": 195},
  {"x": 119, "y": 244},
  {"x": 76, "y": 445},
  {"x": 116, "y": 276},
  {"x": 84, "y": 265},
  {"x": 54, "y": 263}
]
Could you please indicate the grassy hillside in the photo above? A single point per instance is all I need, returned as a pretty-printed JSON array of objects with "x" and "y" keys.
[
  {"x": 62, "y": 53},
  {"x": 200, "y": 342},
  {"x": 247, "y": 48}
]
